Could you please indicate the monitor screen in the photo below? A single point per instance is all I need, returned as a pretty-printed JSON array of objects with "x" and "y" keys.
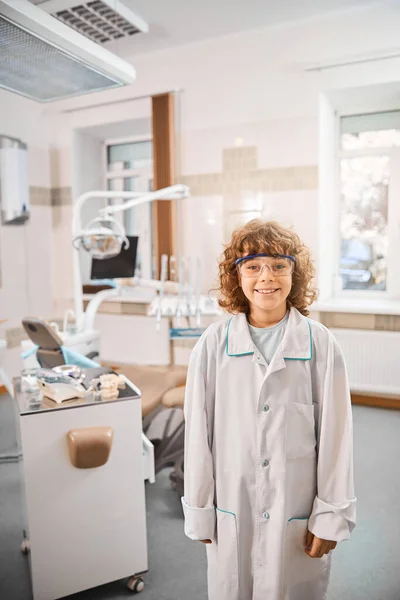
[{"x": 120, "y": 266}]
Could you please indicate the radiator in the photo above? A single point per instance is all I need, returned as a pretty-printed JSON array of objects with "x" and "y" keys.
[{"x": 372, "y": 359}]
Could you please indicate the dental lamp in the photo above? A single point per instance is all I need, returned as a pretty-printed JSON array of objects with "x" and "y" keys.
[{"x": 104, "y": 238}]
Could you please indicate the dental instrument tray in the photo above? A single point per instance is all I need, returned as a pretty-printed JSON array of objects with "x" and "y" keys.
[
  {"x": 59, "y": 386},
  {"x": 69, "y": 382}
]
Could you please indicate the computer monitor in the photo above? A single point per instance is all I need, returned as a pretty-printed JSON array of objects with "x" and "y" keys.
[{"x": 120, "y": 266}]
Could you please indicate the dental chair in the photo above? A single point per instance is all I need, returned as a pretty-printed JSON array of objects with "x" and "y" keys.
[{"x": 50, "y": 351}]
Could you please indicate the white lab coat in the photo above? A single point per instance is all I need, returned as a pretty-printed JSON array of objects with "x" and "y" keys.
[{"x": 268, "y": 454}]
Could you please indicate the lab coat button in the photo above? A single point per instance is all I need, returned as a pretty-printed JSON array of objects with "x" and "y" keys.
[
  {"x": 265, "y": 515},
  {"x": 266, "y": 408},
  {"x": 265, "y": 463}
]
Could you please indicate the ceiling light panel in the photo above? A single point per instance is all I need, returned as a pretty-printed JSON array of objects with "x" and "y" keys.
[
  {"x": 46, "y": 60},
  {"x": 38, "y": 70}
]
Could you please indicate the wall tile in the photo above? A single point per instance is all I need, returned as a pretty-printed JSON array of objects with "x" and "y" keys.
[
  {"x": 348, "y": 320},
  {"x": 61, "y": 196},
  {"x": 39, "y": 196},
  {"x": 387, "y": 322}
]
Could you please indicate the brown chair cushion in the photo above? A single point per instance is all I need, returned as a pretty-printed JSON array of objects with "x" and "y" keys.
[
  {"x": 153, "y": 382},
  {"x": 174, "y": 398}
]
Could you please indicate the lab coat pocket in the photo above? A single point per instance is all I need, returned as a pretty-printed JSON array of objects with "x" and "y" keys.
[
  {"x": 227, "y": 550},
  {"x": 300, "y": 431},
  {"x": 301, "y": 569}
]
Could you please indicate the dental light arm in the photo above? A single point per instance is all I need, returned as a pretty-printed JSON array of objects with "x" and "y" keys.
[{"x": 174, "y": 192}]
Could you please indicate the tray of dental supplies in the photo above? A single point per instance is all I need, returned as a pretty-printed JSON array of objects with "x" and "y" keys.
[
  {"x": 177, "y": 333},
  {"x": 41, "y": 388}
]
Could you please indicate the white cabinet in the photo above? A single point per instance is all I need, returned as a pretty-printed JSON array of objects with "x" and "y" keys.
[
  {"x": 86, "y": 527},
  {"x": 133, "y": 339}
]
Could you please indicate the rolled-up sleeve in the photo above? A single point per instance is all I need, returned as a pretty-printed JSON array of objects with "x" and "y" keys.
[
  {"x": 333, "y": 515},
  {"x": 198, "y": 500}
]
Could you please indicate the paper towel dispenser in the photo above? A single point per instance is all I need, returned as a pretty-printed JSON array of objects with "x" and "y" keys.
[{"x": 14, "y": 185}]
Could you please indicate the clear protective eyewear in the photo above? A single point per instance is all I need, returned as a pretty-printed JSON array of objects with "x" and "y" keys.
[{"x": 253, "y": 266}]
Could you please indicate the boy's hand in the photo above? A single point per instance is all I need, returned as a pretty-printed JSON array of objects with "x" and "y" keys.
[
  {"x": 317, "y": 547},
  {"x": 206, "y": 541}
]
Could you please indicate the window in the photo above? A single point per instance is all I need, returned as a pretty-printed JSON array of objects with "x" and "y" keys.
[
  {"x": 130, "y": 169},
  {"x": 369, "y": 162}
]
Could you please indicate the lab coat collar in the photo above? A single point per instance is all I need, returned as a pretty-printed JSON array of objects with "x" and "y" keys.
[{"x": 296, "y": 343}]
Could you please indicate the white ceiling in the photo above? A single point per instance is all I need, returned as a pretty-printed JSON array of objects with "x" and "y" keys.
[{"x": 177, "y": 22}]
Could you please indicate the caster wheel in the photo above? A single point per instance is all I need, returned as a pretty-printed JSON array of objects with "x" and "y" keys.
[
  {"x": 136, "y": 584},
  {"x": 25, "y": 547}
]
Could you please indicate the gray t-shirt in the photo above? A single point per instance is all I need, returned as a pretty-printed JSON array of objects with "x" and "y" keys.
[{"x": 267, "y": 339}]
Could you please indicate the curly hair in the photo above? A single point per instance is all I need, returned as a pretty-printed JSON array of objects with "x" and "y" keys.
[{"x": 267, "y": 237}]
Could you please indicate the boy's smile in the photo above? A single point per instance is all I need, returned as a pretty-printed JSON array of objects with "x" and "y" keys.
[{"x": 266, "y": 290}]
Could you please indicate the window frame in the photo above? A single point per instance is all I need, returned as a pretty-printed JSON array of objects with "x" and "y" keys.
[
  {"x": 125, "y": 173},
  {"x": 148, "y": 173},
  {"x": 330, "y": 155},
  {"x": 392, "y": 291}
]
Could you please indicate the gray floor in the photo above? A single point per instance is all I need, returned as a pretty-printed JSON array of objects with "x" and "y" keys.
[{"x": 367, "y": 568}]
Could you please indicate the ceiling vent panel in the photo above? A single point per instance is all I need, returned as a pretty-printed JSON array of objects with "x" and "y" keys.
[{"x": 100, "y": 20}]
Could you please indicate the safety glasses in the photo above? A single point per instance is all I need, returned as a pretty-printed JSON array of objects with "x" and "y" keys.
[{"x": 253, "y": 265}]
